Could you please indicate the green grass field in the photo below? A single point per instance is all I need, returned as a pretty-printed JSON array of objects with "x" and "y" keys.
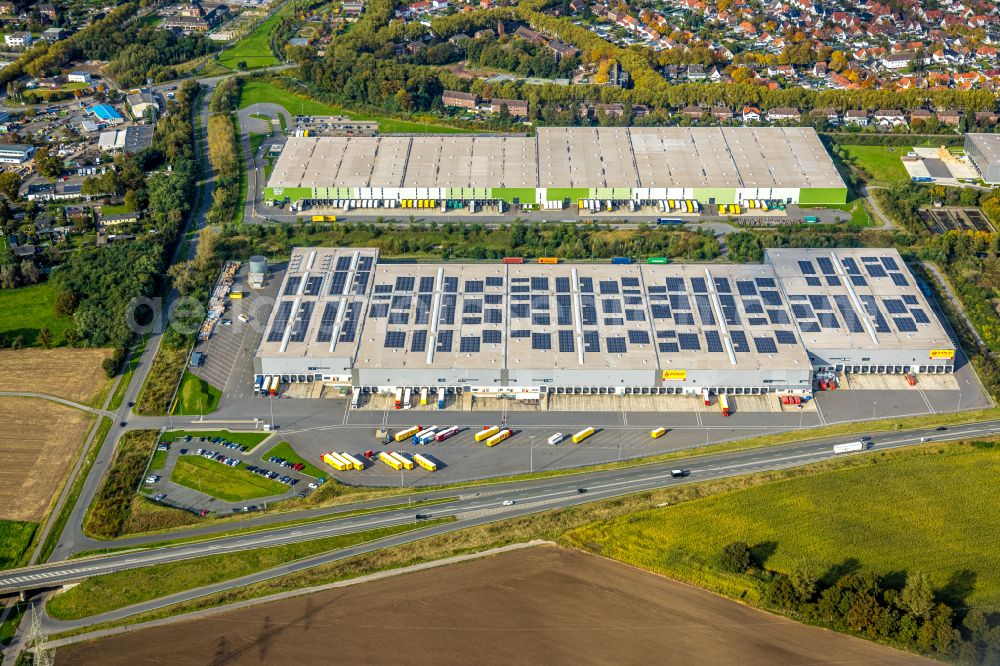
[
  {"x": 117, "y": 590},
  {"x": 247, "y": 439},
  {"x": 15, "y": 537},
  {"x": 254, "y": 49},
  {"x": 881, "y": 162},
  {"x": 115, "y": 209},
  {"x": 930, "y": 509},
  {"x": 26, "y": 310},
  {"x": 285, "y": 450},
  {"x": 265, "y": 92},
  {"x": 229, "y": 484},
  {"x": 196, "y": 396}
]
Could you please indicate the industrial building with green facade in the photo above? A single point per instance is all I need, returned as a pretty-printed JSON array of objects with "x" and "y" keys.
[{"x": 561, "y": 167}]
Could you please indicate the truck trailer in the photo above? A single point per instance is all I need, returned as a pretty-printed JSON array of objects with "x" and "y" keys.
[
  {"x": 486, "y": 433},
  {"x": 850, "y": 447},
  {"x": 445, "y": 434}
]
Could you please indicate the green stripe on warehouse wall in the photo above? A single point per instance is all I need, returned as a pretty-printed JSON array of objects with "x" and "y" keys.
[
  {"x": 719, "y": 195},
  {"x": 563, "y": 193},
  {"x": 508, "y": 194},
  {"x": 822, "y": 195},
  {"x": 293, "y": 193}
]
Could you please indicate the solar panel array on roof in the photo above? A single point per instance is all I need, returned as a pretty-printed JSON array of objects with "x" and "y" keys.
[
  {"x": 616, "y": 345},
  {"x": 395, "y": 339},
  {"x": 491, "y": 337},
  {"x": 277, "y": 331},
  {"x": 566, "y": 342},
  {"x": 418, "y": 343},
  {"x": 765, "y": 345}
]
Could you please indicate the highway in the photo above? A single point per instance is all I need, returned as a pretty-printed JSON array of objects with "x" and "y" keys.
[{"x": 476, "y": 505}]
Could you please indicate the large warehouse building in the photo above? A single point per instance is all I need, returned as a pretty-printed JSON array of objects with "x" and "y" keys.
[
  {"x": 984, "y": 151},
  {"x": 343, "y": 316},
  {"x": 560, "y": 166}
]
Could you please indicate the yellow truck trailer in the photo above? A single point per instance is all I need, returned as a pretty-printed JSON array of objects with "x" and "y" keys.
[
  {"x": 486, "y": 433},
  {"x": 403, "y": 459},
  {"x": 582, "y": 435},
  {"x": 406, "y": 434},
  {"x": 356, "y": 463},
  {"x": 497, "y": 438},
  {"x": 389, "y": 460},
  {"x": 658, "y": 433},
  {"x": 425, "y": 462},
  {"x": 335, "y": 461}
]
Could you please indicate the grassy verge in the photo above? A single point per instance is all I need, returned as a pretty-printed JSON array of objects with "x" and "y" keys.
[
  {"x": 285, "y": 450},
  {"x": 9, "y": 626},
  {"x": 261, "y": 528},
  {"x": 881, "y": 163},
  {"x": 230, "y": 484},
  {"x": 247, "y": 439},
  {"x": 145, "y": 516},
  {"x": 550, "y": 525},
  {"x": 859, "y": 214},
  {"x": 27, "y": 310},
  {"x": 255, "y": 49},
  {"x": 196, "y": 396},
  {"x": 925, "y": 510},
  {"x": 265, "y": 92},
  {"x": 15, "y": 537},
  {"x": 168, "y": 367},
  {"x": 110, "y": 509},
  {"x": 118, "y": 590},
  {"x": 126, "y": 379},
  {"x": 74, "y": 494}
]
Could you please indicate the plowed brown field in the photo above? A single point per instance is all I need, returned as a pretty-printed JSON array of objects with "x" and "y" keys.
[
  {"x": 535, "y": 606},
  {"x": 39, "y": 440},
  {"x": 73, "y": 374}
]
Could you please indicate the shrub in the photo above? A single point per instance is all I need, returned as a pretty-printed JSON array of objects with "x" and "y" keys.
[{"x": 735, "y": 557}]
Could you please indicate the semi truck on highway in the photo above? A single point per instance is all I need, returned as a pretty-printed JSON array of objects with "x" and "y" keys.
[{"x": 850, "y": 447}]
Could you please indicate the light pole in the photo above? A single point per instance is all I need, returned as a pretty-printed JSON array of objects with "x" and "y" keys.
[
  {"x": 270, "y": 403},
  {"x": 874, "y": 407},
  {"x": 531, "y": 453}
]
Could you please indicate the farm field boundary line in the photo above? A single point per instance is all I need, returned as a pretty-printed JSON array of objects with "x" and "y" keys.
[
  {"x": 53, "y": 398},
  {"x": 291, "y": 594}
]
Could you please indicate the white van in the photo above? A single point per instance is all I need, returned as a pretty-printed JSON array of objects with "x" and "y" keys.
[{"x": 556, "y": 438}]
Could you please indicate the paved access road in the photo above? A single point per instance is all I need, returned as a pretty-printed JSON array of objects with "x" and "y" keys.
[{"x": 475, "y": 505}]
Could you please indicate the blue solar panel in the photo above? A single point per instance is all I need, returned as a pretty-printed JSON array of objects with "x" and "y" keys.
[
  {"x": 566, "y": 342},
  {"x": 491, "y": 337},
  {"x": 920, "y": 316},
  {"x": 850, "y": 317},
  {"x": 910, "y": 299},
  {"x": 588, "y": 315},
  {"x": 520, "y": 333},
  {"x": 313, "y": 285},
  {"x": 444, "y": 340},
  {"x": 890, "y": 263},
  {"x": 850, "y": 266},
  {"x": 450, "y": 285},
  {"x": 764, "y": 282},
  {"x": 666, "y": 334},
  {"x": 519, "y": 289},
  {"x": 472, "y": 320},
  {"x": 587, "y": 285},
  {"x": 630, "y": 282},
  {"x": 539, "y": 302},
  {"x": 746, "y": 288},
  {"x": 698, "y": 285},
  {"x": 609, "y": 286},
  {"x": 859, "y": 281},
  {"x": 614, "y": 321},
  {"x": 825, "y": 265},
  {"x": 905, "y": 324},
  {"x": 399, "y": 317},
  {"x": 680, "y": 302},
  {"x": 472, "y": 306},
  {"x": 765, "y": 345},
  {"x": 813, "y": 281},
  {"x": 540, "y": 319},
  {"x": 562, "y": 285},
  {"x": 753, "y": 307},
  {"x": 785, "y": 337},
  {"x": 771, "y": 297},
  {"x": 669, "y": 347},
  {"x": 875, "y": 270},
  {"x": 383, "y": 289},
  {"x": 591, "y": 341},
  {"x": 899, "y": 280},
  {"x": 894, "y": 305},
  {"x": 807, "y": 268},
  {"x": 418, "y": 343},
  {"x": 401, "y": 302},
  {"x": 343, "y": 263},
  {"x": 350, "y": 326},
  {"x": 395, "y": 339},
  {"x": 492, "y": 316},
  {"x": 833, "y": 280},
  {"x": 378, "y": 310},
  {"x": 280, "y": 322},
  {"x": 493, "y": 299},
  {"x": 611, "y": 306},
  {"x": 689, "y": 341},
  {"x": 426, "y": 284},
  {"x": 777, "y": 316},
  {"x": 539, "y": 284},
  {"x": 541, "y": 341},
  {"x": 826, "y": 320},
  {"x": 616, "y": 345},
  {"x": 657, "y": 289},
  {"x": 757, "y": 321},
  {"x": 739, "y": 339},
  {"x": 469, "y": 344},
  {"x": 675, "y": 284},
  {"x": 802, "y": 311},
  {"x": 660, "y": 311},
  {"x": 633, "y": 300},
  {"x": 820, "y": 302},
  {"x": 404, "y": 283},
  {"x": 684, "y": 318},
  {"x": 638, "y": 337},
  {"x": 292, "y": 286},
  {"x": 635, "y": 315},
  {"x": 722, "y": 285},
  {"x": 325, "y": 331},
  {"x": 519, "y": 310},
  {"x": 704, "y": 310},
  {"x": 714, "y": 342},
  {"x": 494, "y": 282},
  {"x": 809, "y": 327}
]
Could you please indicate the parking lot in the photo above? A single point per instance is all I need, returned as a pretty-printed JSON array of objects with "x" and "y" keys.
[
  {"x": 228, "y": 360},
  {"x": 227, "y": 456}
]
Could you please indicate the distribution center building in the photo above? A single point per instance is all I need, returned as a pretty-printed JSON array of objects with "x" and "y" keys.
[
  {"x": 984, "y": 151},
  {"x": 343, "y": 316},
  {"x": 561, "y": 166}
]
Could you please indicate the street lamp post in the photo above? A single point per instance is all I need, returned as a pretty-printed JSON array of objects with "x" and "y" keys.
[
  {"x": 531, "y": 453},
  {"x": 874, "y": 407}
]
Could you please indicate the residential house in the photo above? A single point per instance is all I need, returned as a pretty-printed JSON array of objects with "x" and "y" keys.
[
  {"x": 18, "y": 40},
  {"x": 986, "y": 118},
  {"x": 889, "y": 118},
  {"x": 693, "y": 112},
  {"x": 79, "y": 76},
  {"x": 830, "y": 115},
  {"x": 142, "y": 102},
  {"x": 610, "y": 110},
  {"x": 115, "y": 220},
  {"x": 783, "y": 114},
  {"x": 352, "y": 8},
  {"x": 531, "y": 35},
  {"x": 950, "y": 118},
  {"x": 722, "y": 113},
  {"x": 562, "y": 49},
  {"x": 856, "y": 117},
  {"x": 48, "y": 11},
  {"x": 516, "y": 107},
  {"x": 696, "y": 72},
  {"x": 52, "y": 35},
  {"x": 920, "y": 115},
  {"x": 461, "y": 100},
  {"x": 751, "y": 114},
  {"x": 897, "y": 61}
]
